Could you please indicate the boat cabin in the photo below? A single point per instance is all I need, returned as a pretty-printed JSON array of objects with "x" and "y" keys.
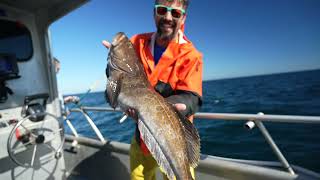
[{"x": 33, "y": 143}]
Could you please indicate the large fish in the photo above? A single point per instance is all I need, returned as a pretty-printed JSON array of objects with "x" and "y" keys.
[{"x": 171, "y": 138}]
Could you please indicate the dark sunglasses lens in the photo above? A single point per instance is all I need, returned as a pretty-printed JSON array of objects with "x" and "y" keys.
[
  {"x": 176, "y": 13},
  {"x": 161, "y": 10}
]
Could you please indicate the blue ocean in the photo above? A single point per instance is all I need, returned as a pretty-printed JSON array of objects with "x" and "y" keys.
[{"x": 296, "y": 93}]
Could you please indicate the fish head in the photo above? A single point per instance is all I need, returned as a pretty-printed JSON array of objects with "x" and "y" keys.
[
  {"x": 123, "y": 58},
  {"x": 123, "y": 66}
]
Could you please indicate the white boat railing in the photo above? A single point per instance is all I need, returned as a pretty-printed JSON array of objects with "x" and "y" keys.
[{"x": 252, "y": 121}]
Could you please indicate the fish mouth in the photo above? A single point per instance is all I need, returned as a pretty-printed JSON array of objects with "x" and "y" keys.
[
  {"x": 118, "y": 38},
  {"x": 119, "y": 43},
  {"x": 112, "y": 64}
]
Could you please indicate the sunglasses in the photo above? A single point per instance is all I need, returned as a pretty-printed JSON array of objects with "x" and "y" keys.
[{"x": 162, "y": 10}]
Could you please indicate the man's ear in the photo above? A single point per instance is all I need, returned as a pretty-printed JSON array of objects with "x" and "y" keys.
[
  {"x": 183, "y": 19},
  {"x": 182, "y": 23},
  {"x": 154, "y": 13}
]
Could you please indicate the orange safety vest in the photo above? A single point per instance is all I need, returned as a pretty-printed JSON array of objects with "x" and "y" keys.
[{"x": 180, "y": 65}]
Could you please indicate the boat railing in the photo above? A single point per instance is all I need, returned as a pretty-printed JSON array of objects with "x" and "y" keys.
[{"x": 252, "y": 120}]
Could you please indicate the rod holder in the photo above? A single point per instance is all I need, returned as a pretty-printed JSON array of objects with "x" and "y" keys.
[{"x": 249, "y": 125}]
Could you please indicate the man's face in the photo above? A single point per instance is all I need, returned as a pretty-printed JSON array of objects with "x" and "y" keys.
[{"x": 168, "y": 25}]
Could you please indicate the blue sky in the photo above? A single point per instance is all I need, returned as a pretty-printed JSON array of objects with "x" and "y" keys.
[{"x": 236, "y": 37}]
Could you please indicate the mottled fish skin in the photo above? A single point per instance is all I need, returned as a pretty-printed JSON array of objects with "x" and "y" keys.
[{"x": 161, "y": 126}]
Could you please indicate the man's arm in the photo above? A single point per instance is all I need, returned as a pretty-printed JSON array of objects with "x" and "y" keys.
[{"x": 189, "y": 87}]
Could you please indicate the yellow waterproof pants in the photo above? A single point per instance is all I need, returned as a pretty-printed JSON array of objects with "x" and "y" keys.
[{"x": 144, "y": 167}]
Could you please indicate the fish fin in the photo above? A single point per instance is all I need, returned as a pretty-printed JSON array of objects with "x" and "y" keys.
[
  {"x": 112, "y": 91},
  {"x": 155, "y": 149},
  {"x": 193, "y": 140}
]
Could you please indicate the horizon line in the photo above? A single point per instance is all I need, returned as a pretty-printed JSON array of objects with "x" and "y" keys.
[
  {"x": 227, "y": 78},
  {"x": 255, "y": 75}
]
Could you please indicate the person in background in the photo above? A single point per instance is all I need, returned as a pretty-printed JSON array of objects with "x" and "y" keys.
[
  {"x": 174, "y": 68},
  {"x": 64, "y": 110},
  {"x": 68, "y": 99}
]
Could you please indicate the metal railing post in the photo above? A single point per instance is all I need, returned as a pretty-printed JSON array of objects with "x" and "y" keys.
[
  {"x": 273, "y": 145},
  {"x": 74, "y": 131},
  {"x": 253, "y": 120},
  {"x": 94, "y": 127}
]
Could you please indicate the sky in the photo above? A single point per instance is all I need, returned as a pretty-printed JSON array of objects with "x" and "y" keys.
[{"x": 236, "y": 37}]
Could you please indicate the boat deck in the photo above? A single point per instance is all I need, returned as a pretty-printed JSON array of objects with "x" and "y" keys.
[{"x": 92, "y": 159}]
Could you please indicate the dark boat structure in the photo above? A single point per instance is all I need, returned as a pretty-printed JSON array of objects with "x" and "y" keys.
[{"x": 33, "y": 143}]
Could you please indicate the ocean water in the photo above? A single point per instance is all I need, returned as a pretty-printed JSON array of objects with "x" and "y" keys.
[{"x": 295, "y": 93}]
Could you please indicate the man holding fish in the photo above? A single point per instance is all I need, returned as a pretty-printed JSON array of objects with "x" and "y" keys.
[{"x": 173, "y": 68}]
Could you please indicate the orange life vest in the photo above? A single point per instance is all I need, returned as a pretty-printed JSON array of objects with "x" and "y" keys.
[{"x": 180, "y": 65}]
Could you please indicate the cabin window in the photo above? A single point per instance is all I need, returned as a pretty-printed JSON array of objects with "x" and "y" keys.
[{"x": 15, "y": 39}]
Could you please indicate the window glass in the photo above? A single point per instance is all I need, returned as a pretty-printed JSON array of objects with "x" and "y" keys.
[{"x": 15, "y": 39}]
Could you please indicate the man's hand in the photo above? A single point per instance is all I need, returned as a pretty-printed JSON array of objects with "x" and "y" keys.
[
  {"x": 132, "y": 113},
  {"x": 106, "y": 44},
  {"x": 180, "y": 106},
  {"x": 71, "y": 99}
]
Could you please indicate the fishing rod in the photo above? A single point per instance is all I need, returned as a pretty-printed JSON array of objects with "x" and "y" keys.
[{"x": 77, "y": 100}]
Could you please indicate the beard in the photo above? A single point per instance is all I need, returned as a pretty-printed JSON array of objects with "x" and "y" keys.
[{"x": 166, "y": 30}]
